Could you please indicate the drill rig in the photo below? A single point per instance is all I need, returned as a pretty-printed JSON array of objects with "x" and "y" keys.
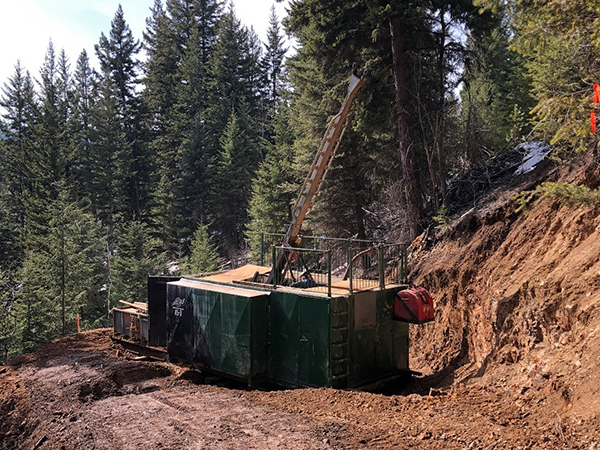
[{"x": 316, "y": 174}]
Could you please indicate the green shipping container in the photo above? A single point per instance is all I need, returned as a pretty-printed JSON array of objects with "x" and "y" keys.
[
  {"x": 288, "y": 336},
  {"x": 339, "y": 342},
  {"x": 220, "y": 328}
]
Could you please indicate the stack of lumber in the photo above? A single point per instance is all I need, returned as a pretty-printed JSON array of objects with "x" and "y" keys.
[{"x": 138, "y": 306}]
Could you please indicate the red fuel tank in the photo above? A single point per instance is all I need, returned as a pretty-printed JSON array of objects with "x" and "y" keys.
[{"x": 413, "y": 305}]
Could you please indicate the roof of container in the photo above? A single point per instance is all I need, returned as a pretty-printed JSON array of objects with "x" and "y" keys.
[
  {"x": 221, "y": 288},
  {"x": 239, "y": 274}
]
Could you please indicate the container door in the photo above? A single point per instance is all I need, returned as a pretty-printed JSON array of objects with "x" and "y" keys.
[
  {"x": 284, "y": 324},
  {"x": 313, "y": 351}
]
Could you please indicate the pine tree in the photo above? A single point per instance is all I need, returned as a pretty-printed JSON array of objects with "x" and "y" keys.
[
  {"x": 414, "y": 46},
  {"x": 119, "y": 67},
  {"x": 160, "y": 66},
  {"x": 19, "y": 120},
  {"x": 273, "y": 60},
  {"x": 232, "y": 183},
  {"x": 319, "y": 73},
  {"x": 136, "y": 258},
  {"x": 560, "y": 42},
  {"x": 159, "y": 98},
  {"x": 62, "y": 272},
  {"x": 227, "y": 84},
  {"x": 8, "y": 321},
  {"x": 48, "y": 161},
  {"x": 274, "y": 187},
  {"x": 80, "y": 126},
  {"x": 496, "y": 98},
  {"x": 203, "y": 252},
  {"x": 235, "y": 75},
  {"x": 180, "y": 42},
  {"x": 108, "y": 161},
  {"x": 192, "y": 155}
]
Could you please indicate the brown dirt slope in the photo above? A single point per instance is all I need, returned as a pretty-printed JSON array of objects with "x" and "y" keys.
[
  {"x": 511, "y": 360},
  {"x": 518, "y": 301}
]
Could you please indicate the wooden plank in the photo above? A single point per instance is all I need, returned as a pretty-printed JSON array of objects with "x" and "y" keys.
[
  {"x": 158, "y": 353},
  {"x": 222, "y": 288},
  {"x": 137, "y": 305},
  {"x": 244, "y": 273}
]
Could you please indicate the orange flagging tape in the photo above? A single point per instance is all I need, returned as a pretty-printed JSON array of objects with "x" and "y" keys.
[
  {"x": 596, "y": 93},
  {"x": 593, "y": 117}
]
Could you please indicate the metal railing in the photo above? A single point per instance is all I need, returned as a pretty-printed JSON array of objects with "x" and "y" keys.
[
  {"x": 360, "y": 264},
  {"x": 304, "y": 268}
]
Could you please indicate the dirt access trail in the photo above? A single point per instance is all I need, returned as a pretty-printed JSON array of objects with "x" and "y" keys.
[
  {"x": 77, "y": 393},
  {"x": 84, "y": 391}
]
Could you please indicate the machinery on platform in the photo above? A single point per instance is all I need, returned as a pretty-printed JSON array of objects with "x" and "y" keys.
[
  {"x": 317, "y": 172},
  {"x": 313, "y": 311}
]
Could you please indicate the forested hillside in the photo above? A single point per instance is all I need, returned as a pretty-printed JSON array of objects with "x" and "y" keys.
[{"x": 175, "y": 161}]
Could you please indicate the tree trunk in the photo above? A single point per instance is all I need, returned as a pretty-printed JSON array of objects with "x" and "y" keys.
[
  {"x": 441, "y": 122},
  {"x": 410, "y": 176},
  {"x": 63, "y": 280}
]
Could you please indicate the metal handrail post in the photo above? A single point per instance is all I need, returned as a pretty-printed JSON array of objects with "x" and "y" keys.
[
  {"x": 274, "y": 253},
  {"x": 381, "y": 268},
  {"x": 329, "y": 273},
  {"x": 262, "y": 249},
  {"x": 350, "y": 266}
]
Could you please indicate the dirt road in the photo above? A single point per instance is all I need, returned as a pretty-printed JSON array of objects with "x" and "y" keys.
[{"x": 84, "y": 391}]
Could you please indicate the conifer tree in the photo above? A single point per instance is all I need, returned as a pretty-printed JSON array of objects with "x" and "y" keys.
[
  {"x": 180, "y": 42},
  {"x": 159, "y": 98},
  {"x": 160, "y": 81},
  {"x": 119, "y": 67},
  {"x": 234, "y": 170},
  {"x": 227, "y": 84},
  {"x": 273, "y": 61},
  {"x": 108, "y": 159},
  {"x": 136, "y": 258},
  {"x": 203, "y": 252},
  {"x": 17, "y": 125},
  {"x": 496, "y": 99},
  {"x": 235, "y": 75},
  {"x": 62, "y": 272},
  {"x": 192, "y": 156},
  {"x": 48, "y": 162},
  {"x": 8, "y": 322},
  {"x": 560, "y": 42},
  {"x": 415, "y": 44},
  {"x": 80, "y": 127},
  {"x": 320, "y": 73},
  {"x": 274, "y": 187},
  {"x": 64, "y": 84}
]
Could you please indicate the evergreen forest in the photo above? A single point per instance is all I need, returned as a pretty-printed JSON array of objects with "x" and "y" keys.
[{"x": 176, "y": 151}]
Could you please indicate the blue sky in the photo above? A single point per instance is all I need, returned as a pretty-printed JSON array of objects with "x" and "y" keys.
[{"x": 26, "y": 26}]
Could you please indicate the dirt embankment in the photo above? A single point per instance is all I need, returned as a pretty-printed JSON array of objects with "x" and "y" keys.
[
  {"x": 511, "y": 360},
  {"x": 518, "y": 301}
]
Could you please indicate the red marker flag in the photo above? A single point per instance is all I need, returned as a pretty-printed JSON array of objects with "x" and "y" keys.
[{"x": 595, "y": 101}]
